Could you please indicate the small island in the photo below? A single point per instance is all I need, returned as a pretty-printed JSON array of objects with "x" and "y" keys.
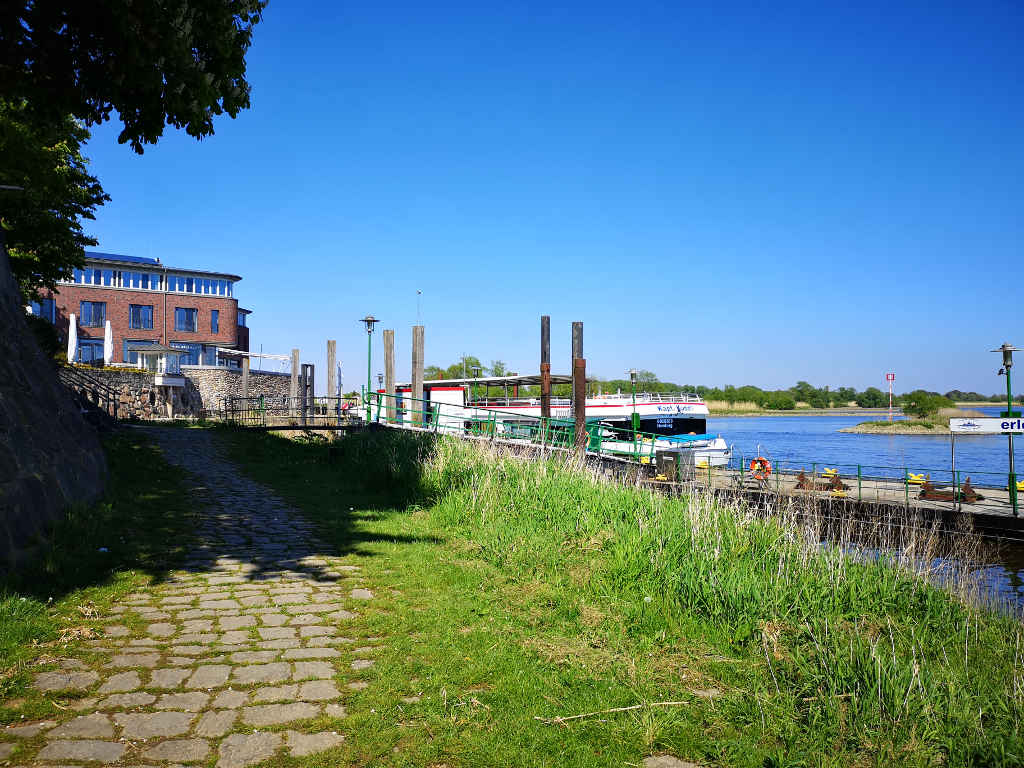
[
  {"x": 903, "y": 427},
  {"x": 930, "y": 417}
]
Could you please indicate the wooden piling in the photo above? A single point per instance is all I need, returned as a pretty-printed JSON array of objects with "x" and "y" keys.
[
  {"x": 545, "y": 366},
  {"x": 579, "y": 401},
  {"x": 577, "y": 340},
  {"x": 389, "y": 373},
  {"x": 332, "y": 368},
  {"x": 293, "y": 390},
  {"x": 245, "y": 377},
  {"x": 417, "y": 374}
]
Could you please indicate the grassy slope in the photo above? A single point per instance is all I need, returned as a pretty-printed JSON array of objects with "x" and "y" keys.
[
  {"x": 525, "y": 591},
  {"x": 143, "y": 523}
]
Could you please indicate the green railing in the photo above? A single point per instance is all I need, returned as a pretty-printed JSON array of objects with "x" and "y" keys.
[
  {"x": 553, "y": 432},
  {"x": 986, "y": 492},
  {"x": 980, "y": 490}
]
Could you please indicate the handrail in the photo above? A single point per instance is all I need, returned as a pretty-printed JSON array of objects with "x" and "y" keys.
[
  {"x": 470, "y": 418},
  {"x": 73, "y": 377}
]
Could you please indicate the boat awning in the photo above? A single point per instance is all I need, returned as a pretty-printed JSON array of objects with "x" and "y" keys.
[
  {"x": 524, "y": 380},
  {"x": 686, "y": 438}
]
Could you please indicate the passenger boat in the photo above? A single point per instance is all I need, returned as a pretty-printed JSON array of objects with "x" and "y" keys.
[{"x": 676, "y": 422}]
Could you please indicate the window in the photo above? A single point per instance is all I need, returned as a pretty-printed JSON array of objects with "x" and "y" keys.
[
  {"x": 140, "y": 316},
  {"x": 92, "y": 314},
  {"x": 132, "y": 356},
  {"x": 97, "y": 277},
  {"x": 90, "y": 350},
  {"x": 190, "y": 285},
  {"x": 144, "y": 280},
  {"x": 209, "y": 354},
  {"x": 108, "y": 277},
  {"x": 185, "y": 319},
  {"x": 229, "y": 288},
  {"x": 241, "y": 319},
  {"x": 79, "y": 276},
  {"x": 46, "y": 309},
  {"x": 214, "y": 321},
  {"x": 192, "y": 352}
]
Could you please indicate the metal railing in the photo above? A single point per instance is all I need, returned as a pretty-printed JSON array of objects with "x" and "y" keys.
[
  {"x": 96, "y": 391},
  {"x": 474, "y": 420},
  {"x": 909, "y": 486},
  {"x": 282, "y": 411}
]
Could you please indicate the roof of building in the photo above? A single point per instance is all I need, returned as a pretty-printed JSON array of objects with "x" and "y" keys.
[
  {"x": 117, "y": 258},
  {"x": 120, "y": 257},
  {"x": 138, "y": 346}
]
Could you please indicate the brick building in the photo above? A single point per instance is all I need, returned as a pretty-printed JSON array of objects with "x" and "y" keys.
[{"x": 145, "y": 301}]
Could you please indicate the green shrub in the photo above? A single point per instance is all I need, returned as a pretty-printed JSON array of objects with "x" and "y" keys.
[
  {"x": 923, "y": 404},
  {"x": 779, "y": 401}
]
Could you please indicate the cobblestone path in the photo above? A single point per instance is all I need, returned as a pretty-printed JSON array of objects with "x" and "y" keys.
[{"x": 235, "y": 657}]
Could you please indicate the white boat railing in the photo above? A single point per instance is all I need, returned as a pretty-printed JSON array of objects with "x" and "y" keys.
[{"x": 564, "y": 402}]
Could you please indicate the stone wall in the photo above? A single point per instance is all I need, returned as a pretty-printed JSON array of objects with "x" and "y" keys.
[
  {"x": 202, "y": 396},
  {"x": 139, "y": 397},
  {"x": 215, "y": 384},
  {"x": 50, "y": 457}
]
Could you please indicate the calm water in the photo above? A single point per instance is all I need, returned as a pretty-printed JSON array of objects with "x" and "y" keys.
[{"x": 805, "y": 440}]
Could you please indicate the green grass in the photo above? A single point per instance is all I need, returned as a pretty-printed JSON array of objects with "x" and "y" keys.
[
  {"x": 517, "y": 592},
  {"x": 96, "y": 555},
  {"x": 885, "y": 426}
]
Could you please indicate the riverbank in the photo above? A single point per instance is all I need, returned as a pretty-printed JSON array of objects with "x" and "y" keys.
[
  {"x": 723, "y": 411},
  {"x": 542, "y": 616}
]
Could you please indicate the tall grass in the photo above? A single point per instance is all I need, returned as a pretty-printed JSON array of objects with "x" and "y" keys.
[{"x": 866, "y": 653}]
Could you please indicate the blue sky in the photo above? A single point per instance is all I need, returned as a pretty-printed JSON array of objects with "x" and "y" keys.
[{"x": 722, "y": 193}]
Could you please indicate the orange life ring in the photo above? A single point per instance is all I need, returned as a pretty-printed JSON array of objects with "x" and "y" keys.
[{"x": 760, "y": 468}]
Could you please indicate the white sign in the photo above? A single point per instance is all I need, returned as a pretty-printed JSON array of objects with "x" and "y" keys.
[{"x": 986, "y": 426}]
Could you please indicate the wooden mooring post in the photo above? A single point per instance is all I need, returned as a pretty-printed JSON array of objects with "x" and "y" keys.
[
  {"x": 389, "y": 374},
  {"x": 417, "y": 374},
  {"x": 579, "y": 387},
  {"x": 332, "y": 368},
  {"x": 579, "y": 401},
  {"x": 293, "y": 390},
  {"x": 545, "y": 366}
]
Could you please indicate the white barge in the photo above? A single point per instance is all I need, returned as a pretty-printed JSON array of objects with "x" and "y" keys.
[{"x": 675, "y": 421}]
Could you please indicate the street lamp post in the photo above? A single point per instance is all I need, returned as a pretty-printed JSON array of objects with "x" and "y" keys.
[
  {"x": 477, "y": 370},
  {"x": 1008, "y": 349},
  {"x": 369, "y": 321}
]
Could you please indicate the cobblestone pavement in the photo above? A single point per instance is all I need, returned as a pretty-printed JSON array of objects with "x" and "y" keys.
[{"x": 235, "y": 657}]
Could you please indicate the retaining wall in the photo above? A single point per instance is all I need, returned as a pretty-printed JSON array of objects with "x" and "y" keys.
[
  {"x": 203, "y": 394},
  {"x": 50, "y": 457}
]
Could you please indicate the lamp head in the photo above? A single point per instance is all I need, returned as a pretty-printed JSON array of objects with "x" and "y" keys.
[
  {"x": 632, "y": 374},
  {"x": 369, "y": 320},
  {"x": 1007, "y": 349}
]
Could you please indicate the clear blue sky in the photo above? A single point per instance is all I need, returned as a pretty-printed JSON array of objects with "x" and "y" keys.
[{"x": 723, "y": 193}]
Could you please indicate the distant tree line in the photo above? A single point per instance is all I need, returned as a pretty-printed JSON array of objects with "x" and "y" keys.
[{"x": 920, "y": 402}]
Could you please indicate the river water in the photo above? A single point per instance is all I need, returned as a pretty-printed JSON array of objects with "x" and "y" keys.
[
  {"x": 804, "y": 441},
  {"x": 801, "y": 441}
]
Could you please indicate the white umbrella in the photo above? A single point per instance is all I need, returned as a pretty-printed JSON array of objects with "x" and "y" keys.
[
  {"x": 72, "y": 338},
  {"x": 108, "y": 345}
]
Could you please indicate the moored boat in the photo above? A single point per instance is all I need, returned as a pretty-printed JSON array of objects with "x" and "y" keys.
[{"x": 672, "y": 421}]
